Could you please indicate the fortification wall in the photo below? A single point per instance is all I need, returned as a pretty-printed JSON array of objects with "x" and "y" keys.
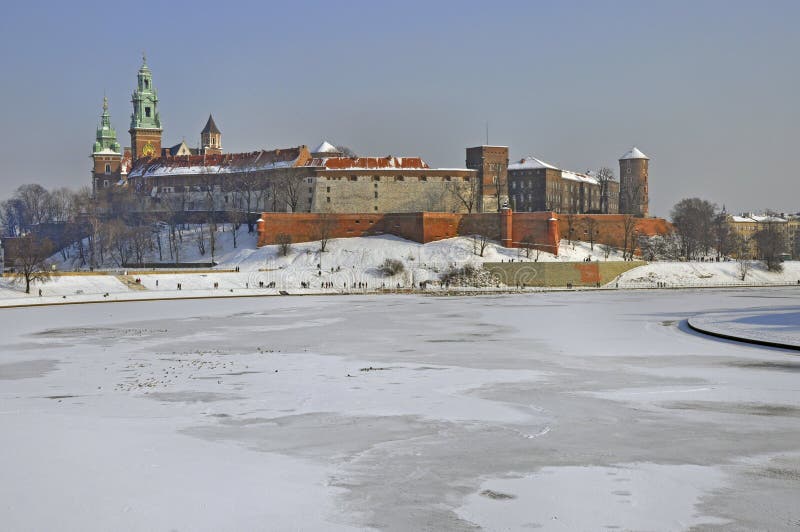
[
  {"x": 610, "y": 228},
  {"x": 515, "y": 230}
]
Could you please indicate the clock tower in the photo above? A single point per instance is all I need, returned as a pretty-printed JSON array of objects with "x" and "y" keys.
[{"x": 145, "y": 122}]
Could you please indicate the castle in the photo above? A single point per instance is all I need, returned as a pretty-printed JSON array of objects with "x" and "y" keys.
[{"x": 296, "y": 179}]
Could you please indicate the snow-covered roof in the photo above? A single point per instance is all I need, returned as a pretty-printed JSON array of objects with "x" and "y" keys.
[
  {"x": 217, "y": 164},
  {"x": 107, "y": 151},
  {"x": 757, "y": 218},
  {"x": 326, "y": 147},
  {"x": 634, "y": 153},
  {"x": 370, "y": 163},
  {"x": 528, "y": 163},
  {"x": 575, "y": 176}
]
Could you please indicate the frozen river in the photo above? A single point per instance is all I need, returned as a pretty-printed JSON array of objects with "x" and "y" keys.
[{"x": 554, "y": 411}]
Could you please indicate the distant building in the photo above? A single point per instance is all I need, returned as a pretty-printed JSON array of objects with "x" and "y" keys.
[
  {"x": 535, "y": 185},
  {"x": 748, "y": 224}
]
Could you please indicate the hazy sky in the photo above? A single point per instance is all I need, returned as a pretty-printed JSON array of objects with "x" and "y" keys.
[{"x": 709, "y": 90}]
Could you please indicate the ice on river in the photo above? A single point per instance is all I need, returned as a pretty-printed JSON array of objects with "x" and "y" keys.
[{"x": 558, "y": 410}]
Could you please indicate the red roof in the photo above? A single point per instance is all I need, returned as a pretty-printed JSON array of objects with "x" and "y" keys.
[{"x": 367, "y": 163}]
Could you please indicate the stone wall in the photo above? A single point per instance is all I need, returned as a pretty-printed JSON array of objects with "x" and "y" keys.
[
  {"x": 559, "y": 274},
  {"x": 407, "y": 191}
]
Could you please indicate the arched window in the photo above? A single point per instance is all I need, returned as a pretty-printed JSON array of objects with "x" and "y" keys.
[{"x": 108, "y": 168}]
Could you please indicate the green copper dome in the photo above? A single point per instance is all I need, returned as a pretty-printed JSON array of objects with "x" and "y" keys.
[
  {"x": 145, "y": 101},
  {"x": 106, "y": 139}
]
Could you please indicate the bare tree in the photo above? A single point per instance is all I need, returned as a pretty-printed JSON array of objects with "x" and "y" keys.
[
  {"x": 288, "y": 190},
  {"x": 284, "y": 242},
  {"x": 693, "y": 221},
  {"x": 771, "y": 242},
  {"x": 118, "y": 236},
  {"x": 630, "y": 196},
  {"x": 722, "y": 234},
  {"x": 604, "y": 176},
  {"x": 141, "y": 242},
  {"x": 571, "y": 222},
  {"x": 465, "y": 193},
  {"x": 30, "y": 264},
  {"x": 628, "y": 236},
  {"x": 590, "y": 225},
  {"x": 346, "y": 151},
  {"x": 500, "y": 183},
  {"x": 324, "y": 226},
  {"x": 479, "y": 243}
]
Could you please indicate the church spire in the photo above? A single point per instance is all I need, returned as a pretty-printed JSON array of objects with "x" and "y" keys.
[{"x": 106, "y": 138}]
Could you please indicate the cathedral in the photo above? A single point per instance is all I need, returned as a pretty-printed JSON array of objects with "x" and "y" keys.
[{"x": 112, "y": 164}]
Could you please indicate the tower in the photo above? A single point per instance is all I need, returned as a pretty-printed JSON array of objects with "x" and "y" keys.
[
  {"x": 211, "y": 138},
  {"x": 145, "y": 122},
  {"x": 106, "y": 153},
  {"x": 491, "y": 162},
  {"x": 633, "y": 193}
]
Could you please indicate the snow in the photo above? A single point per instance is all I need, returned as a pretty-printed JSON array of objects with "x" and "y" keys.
[
  {"x": 634, "y": 153},
  {"x": 528, "y": 163},
  {"x": 626, "y": 496},
  {"x": 707, "y": 274},
  {"x": 106, "y": 151},
  {"x": 559, "y": 411},
  {"x": 325, "y": 147},
  {"x": 346, "y": 262}
]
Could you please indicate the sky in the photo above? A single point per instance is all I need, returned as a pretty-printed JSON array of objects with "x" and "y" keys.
[{"x": 707, "y": 89}]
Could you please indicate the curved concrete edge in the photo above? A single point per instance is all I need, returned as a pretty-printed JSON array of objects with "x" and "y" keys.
[{"x": 743, "y": 339}]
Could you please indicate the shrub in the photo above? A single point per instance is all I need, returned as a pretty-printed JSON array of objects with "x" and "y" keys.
[{"x": 391, "y": 267}]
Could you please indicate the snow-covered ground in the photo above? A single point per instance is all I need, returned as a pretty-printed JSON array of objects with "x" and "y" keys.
[
  {"x": 678, "y": 274},
  {"x": 362, "y": 253},
  {"x": 350, "y": 264},
  {"x": 554, "y": 411}
]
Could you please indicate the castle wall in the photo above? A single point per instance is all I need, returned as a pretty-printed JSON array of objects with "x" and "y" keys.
[
  {"x": 610, "y": 229},
  {"x": 519, "y": 230},
  {"x": 381, "y": 191}
]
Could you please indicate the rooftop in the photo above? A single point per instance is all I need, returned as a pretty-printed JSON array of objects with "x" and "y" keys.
[{"x": 634, "y": 153}]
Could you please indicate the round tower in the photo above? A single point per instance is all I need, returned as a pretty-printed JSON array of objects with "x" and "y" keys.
[{"x": 633, "y": 193}]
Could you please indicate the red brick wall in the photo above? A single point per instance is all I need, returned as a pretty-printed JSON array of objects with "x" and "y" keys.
[
  {"x": 609, "y": 227},
  {"x": 419, "y": 226}
]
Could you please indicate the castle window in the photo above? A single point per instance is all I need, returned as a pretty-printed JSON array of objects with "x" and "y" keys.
[
  {"x": 376, "y": 178},
  {"x": 376, "y": 207},
  {"x": 329, "y": 189},
  {"x": 376, "y": 194},
  {"x": 399, "y": 178},
  {"x": 147, "y": 112},
  {"x": 423, "y": 178},
  {"x": 328, "y": 199},
  {"x": 353, "y": 178},
  {"x": 147, "y": 84},
  {"x": 108, "y": 168}
]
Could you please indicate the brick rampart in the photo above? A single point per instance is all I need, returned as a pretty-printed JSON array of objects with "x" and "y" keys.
[
  {"x": 537, "y": 230},
  {"x": 609, "y": 228}
]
